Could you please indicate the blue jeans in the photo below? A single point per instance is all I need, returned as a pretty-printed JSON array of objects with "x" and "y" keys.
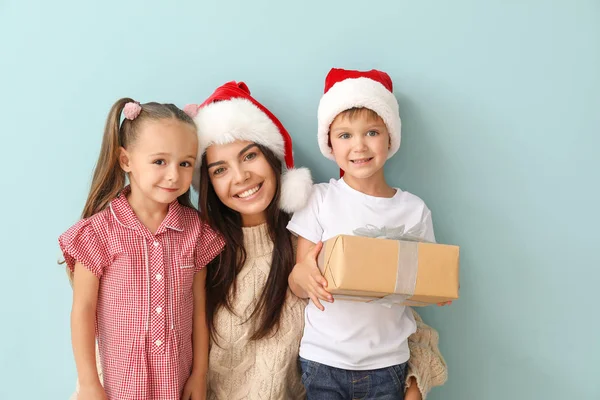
[{"x": 323, "y": 382}]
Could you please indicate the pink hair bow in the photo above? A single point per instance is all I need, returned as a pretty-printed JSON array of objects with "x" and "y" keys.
[
  {"x": 132, "y": 110},
  {"x": 191, "y": 110}
]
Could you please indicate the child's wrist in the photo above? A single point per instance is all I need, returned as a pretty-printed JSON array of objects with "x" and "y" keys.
[
  {"x": 89, "y": 380},
  {"x": 298, "y": 291},
  {"x": 294, "y": 287},
  {"x": 199, "y": 373}
]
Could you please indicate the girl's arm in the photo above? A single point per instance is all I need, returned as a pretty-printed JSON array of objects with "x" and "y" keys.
[
  {"x": 83, "y": 317},
  {"x": 200, "y": 334},
  {"x": 195, "y": 387}
]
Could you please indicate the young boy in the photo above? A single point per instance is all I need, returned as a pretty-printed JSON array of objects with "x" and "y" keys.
[{"x": 351, "y": 349}]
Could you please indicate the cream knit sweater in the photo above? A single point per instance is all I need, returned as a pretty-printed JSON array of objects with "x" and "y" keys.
[
  {"x": 262, "y": 369},
  {"x": 268, "y": 368}
]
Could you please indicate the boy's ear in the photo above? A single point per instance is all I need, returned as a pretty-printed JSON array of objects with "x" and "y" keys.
[
  {"x": 329, "y": 142},
  {"x": 124, "y": 159}
]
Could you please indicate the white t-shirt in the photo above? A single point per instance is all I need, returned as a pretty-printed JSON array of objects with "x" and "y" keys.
[{"x": 348, "y": 334}]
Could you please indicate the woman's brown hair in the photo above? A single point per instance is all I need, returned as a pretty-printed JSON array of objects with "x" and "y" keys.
[
  {"x": 223, "y": 271},
  {"x": 109, "y": 179}
]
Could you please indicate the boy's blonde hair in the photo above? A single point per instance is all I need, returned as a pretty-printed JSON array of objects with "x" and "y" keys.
[{"x": 354, "y": 113}]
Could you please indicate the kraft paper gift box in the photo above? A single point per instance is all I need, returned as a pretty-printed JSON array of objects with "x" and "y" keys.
[{"x": 389, "y": 271}]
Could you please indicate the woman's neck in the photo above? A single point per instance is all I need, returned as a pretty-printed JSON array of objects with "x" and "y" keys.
[{"x": 250, "y": 220}]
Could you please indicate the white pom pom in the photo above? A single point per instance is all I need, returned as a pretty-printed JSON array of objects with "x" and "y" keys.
[{"x": 296, "y": 186}]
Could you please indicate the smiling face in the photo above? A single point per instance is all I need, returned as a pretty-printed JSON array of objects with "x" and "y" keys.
[
  {"x": 242, "y": 179},
  {"x": 160, "y": 161},
  {"x": 359, "y": 143}
]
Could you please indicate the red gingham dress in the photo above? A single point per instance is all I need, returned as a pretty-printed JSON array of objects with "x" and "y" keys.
[{"x": 145, "y": 300}]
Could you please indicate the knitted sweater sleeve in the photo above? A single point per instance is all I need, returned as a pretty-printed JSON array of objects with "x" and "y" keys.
[{"x": 426, "y": 363}]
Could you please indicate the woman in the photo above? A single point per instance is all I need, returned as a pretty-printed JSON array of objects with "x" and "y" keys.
[{"x": 248, "y": 188}]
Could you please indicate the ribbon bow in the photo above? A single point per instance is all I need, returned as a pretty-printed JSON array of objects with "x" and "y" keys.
[{"x": 414, "y": 234}]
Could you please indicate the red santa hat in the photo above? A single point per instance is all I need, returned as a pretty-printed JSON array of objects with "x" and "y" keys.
[
  {"x": 346, "y": 89},
  {"x": 231, "y": 114}
]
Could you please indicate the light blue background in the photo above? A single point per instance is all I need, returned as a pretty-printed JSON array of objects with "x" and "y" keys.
[{"x": 500, "y": 102}]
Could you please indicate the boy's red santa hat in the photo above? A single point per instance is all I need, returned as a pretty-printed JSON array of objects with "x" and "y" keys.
[
  {"x": 346, "y": 89},
  {"x": 231, "y": 114}
]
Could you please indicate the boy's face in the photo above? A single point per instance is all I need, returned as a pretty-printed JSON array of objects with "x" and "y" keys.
[{"x": 359, "y": 143}]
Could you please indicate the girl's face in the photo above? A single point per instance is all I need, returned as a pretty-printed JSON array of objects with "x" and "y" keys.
[
  {"x": 160, "y": 161},
  {"x": 242, "y": 178}
]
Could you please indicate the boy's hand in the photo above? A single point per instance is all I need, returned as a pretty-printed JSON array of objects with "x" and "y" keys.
[
  {"x": 447, "y": 303},
  {"x": 195, "y": 388},
  {"x": 307, "y": 276},
  {"x": 93, "y": 391}
]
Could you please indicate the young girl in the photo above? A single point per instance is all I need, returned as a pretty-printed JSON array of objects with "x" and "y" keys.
[
  {"x": 248, "y": 188},
  {"x": 137, "y": 259}
]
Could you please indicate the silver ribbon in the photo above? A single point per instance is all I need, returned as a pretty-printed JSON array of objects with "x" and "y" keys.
[
  {"x": 414, "y": 234},
  {"x": 408, "y": 257}
]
